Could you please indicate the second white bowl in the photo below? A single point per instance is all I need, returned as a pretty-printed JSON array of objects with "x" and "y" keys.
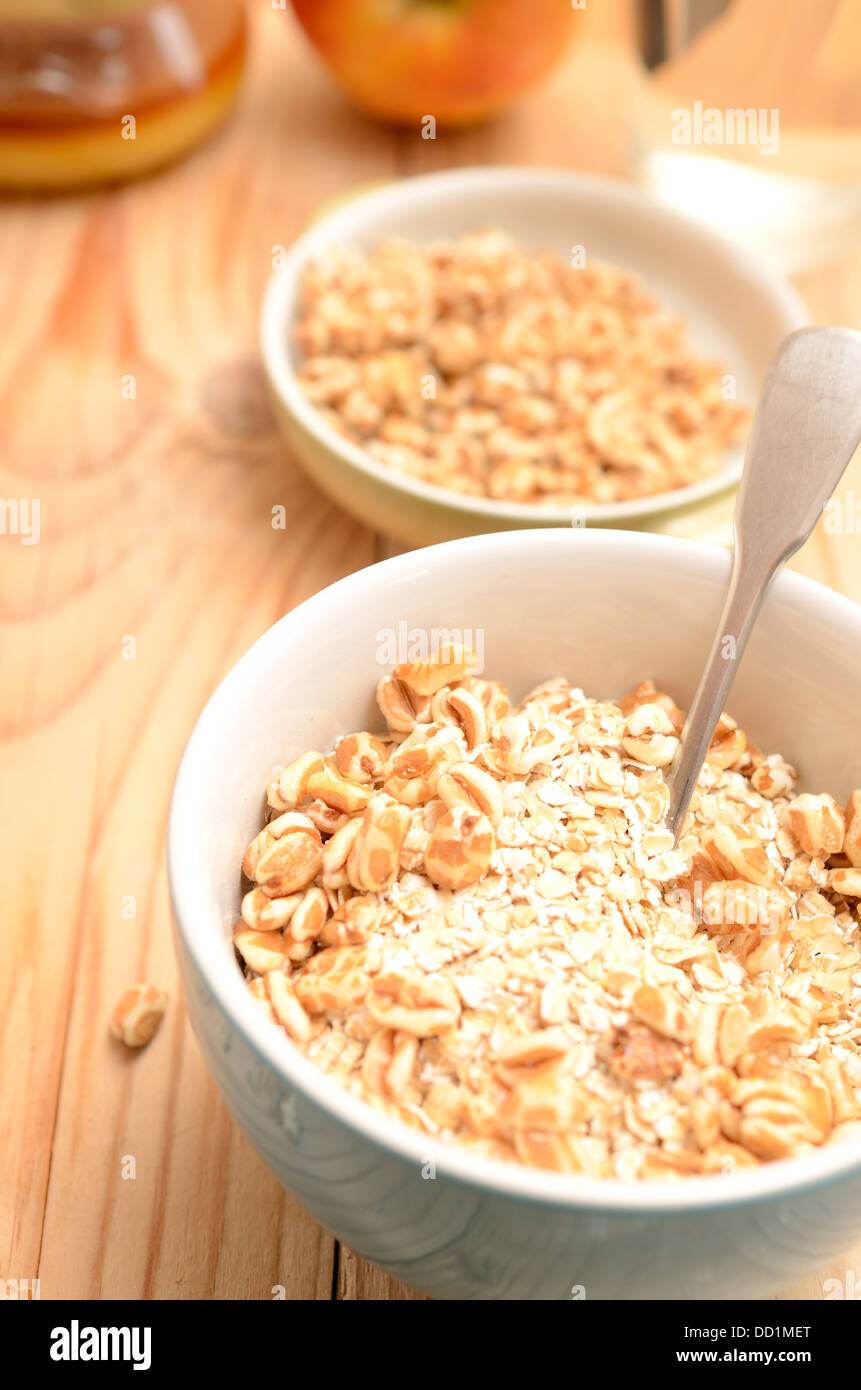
[{"x": 736, "y": 310}]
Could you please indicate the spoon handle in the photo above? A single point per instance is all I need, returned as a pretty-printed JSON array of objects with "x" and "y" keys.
[{"x": 806, "y": 428}]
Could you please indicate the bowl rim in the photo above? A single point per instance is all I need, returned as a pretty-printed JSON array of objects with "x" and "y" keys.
[
  {"x": 227, "y": 987},
  {"x": 752, "y": 272}
]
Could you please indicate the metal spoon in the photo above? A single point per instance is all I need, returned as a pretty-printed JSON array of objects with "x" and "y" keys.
[{"x": 806, "y": 428}]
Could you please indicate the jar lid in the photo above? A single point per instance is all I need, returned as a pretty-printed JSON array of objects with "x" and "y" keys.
[{"x": 69, "y": 11}]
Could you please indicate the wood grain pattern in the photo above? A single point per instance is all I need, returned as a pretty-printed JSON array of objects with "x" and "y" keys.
[{"x": 155, "y": 526}]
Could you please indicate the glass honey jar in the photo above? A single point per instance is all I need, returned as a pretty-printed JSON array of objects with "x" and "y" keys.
[{"x": 102, "y": 90}]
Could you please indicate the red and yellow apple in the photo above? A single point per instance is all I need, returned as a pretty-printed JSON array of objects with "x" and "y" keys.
[{"x": 459, "y": 61}]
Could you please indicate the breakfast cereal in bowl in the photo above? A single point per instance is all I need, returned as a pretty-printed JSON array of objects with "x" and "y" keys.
[
  {"x": 481, "y": 367},
  {"x": 475, "y": 919}
]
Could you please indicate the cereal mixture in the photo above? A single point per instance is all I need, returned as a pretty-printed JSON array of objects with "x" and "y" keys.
[
  {"x": 479, "y": 924},
  {"x": 483, "y": 368}
]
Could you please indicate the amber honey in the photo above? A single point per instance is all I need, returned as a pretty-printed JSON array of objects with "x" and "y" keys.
[{"x": 101, "y": 90}]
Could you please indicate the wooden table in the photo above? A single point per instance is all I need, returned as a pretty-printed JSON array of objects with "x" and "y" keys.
[{"x": 156, "y": 567}]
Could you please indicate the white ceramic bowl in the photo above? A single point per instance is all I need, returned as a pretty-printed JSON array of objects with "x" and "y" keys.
[
  {"x": 605, "y": 608},
  {"x": 737, "y": 311}
]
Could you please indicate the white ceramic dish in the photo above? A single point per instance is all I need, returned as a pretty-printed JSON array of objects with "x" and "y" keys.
[
  {"x": 605, "y": 608},
  {"x": 736, "y": 310}
]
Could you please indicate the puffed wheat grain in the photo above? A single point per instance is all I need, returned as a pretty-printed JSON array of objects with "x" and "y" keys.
[{"x": 494, "y": 371}]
